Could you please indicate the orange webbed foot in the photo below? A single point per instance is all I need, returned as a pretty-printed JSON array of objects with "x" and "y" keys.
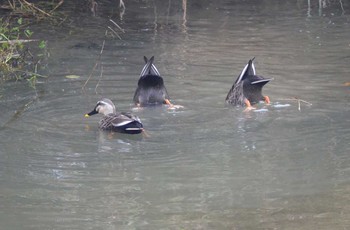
[
  {"x": 249, "y": 106},
  {"x": 267, "y": 100},
  {"x": 172, "y": 106}
]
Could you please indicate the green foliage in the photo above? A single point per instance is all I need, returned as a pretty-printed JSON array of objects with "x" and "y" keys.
[
  {"x": 28, "y": 33},
  {"x": 14, "y": 52},
  {"x": 32, "y": 81},
  {"x": 42, "y": 44}
]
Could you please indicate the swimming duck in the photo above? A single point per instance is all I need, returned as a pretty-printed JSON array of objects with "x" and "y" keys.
[
  {"x": 116, "y": 121},
  {"x": 150, "y": 89},
  {"x": 247, "y": 88}
]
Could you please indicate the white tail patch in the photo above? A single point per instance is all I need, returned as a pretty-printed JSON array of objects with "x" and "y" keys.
[
  {"x": 143, "y": 72},
  {"x": 122, "y": 123},
  {"x": 155, "y": 70},
  {"x": 242, "y": 74},
  {"x": 133, "y": 129},
  {"x": 253, "y": 67},
  {"x": 259, "y": 81}
]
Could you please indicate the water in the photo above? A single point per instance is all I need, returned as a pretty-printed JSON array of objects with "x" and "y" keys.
[{"x": 207, "y": 166}]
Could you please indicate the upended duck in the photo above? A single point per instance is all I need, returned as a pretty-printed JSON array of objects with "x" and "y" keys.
[
  {"x": 150, "y": 88},
  {"x": 247, "y": 89},
  {"x": 122, "y": 122}
]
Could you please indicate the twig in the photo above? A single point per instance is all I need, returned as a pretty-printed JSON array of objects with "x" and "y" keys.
[
  {"x": 99, "y": 79},
  {"x": 36, "y": 8},
  {"x": 121, "y": 29},
  {"x": 102, "y": 48},
  {"x": 93, "y": 7},
  {"x": 18, "y": 113},
  {"x": 90, "y": 75},
  {"x": 121, "y": 4},
  {"x": 296, "y": 99},
  {"x": 58, "y": 5},
  {"x": 114, "y": 32},
  {"x": 96, "y": 63},
  {"x": 11, "y": 42},
  {"x": 12, "y": 5},
  {"x": 184, "y": 17},
  {"x": 32, "y": 73}
]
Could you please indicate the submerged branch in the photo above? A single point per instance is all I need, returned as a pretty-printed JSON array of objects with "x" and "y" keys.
[
  {"x": 58, "y": 5},
  {"x": 121, "y": 29},
  {"x": 31, "y": 5},
  {"x": 98, "y": 61},
  {"x": 297, "y": 100},
  {"x": 28, "y": 9},
  {"x": 114, "y": 32},
  {"x": 12, "y": 42},
  {"x": 99, "y": 79}
]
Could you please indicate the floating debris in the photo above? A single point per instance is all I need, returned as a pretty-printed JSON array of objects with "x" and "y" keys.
[
  {"x": 281, "y": 105},
  {"x": 260, "y": 110},
  {"x": 72, "y": 76}
]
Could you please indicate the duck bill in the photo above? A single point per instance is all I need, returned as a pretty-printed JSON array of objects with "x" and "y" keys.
[{"x": 93, "y": 112}]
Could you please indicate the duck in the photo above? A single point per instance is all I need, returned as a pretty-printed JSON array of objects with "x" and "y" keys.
[
  {"x": 247, "y": 89},
  {"x": 121, "y": 122},
  {"x": 150, "y": 87}
]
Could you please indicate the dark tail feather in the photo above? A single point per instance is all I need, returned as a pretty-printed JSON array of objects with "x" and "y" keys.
[
  {"x": 147, "y": 69},
  {"x": 249, "y": 69}
]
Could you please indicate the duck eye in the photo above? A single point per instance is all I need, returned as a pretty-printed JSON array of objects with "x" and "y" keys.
[{"x": 98, "y": 107}]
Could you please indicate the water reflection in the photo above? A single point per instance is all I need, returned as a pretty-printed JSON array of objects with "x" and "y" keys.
[{"x": 109, "y": 141}]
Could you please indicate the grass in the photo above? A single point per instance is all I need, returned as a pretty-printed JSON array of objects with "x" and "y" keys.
[{"x": 17, "y": 62}]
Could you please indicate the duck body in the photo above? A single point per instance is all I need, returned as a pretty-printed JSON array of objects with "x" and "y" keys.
[
  {"x": 121, "y": 122},
  {"x": 247, "y": 89},
  {"x": 150, "y": 87}
]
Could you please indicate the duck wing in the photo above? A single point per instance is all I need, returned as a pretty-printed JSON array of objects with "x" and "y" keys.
[
  {"x": 108, "y": 121},
  {"x": 121, "y": 119},
  {"x": 236, "y": 96},
  {"x": 131, "y": 116}
]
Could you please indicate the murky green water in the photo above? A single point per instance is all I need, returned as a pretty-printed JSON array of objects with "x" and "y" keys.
[{"x": 208, "y": 166}]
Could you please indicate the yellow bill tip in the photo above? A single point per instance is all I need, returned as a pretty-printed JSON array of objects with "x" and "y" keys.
[{"x": 86, "y": 115}]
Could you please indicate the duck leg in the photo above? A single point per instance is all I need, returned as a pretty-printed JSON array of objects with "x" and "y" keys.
[
  {"x": 166, "y": 101},
  {"x": 267, "y": 100},
  {"x": 249, "y": 106},
  {"x": 172, "y": 106}
]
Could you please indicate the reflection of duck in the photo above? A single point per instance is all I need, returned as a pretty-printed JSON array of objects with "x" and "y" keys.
[
  {"x": 150, "y": 89},
  {"x": 116, "y": 121},
  {"x": 247, "y": 88}
]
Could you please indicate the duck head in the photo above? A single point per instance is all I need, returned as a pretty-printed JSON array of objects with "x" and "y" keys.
[{"x": 104, "y": 106}]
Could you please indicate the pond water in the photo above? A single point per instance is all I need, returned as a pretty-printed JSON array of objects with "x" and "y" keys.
[{"x": 206, "y": 166}]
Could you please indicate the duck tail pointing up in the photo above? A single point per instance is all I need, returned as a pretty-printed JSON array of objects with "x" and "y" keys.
[
  {"x": 249, "y": 69},
  {"x": 149, "y": 67}
]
